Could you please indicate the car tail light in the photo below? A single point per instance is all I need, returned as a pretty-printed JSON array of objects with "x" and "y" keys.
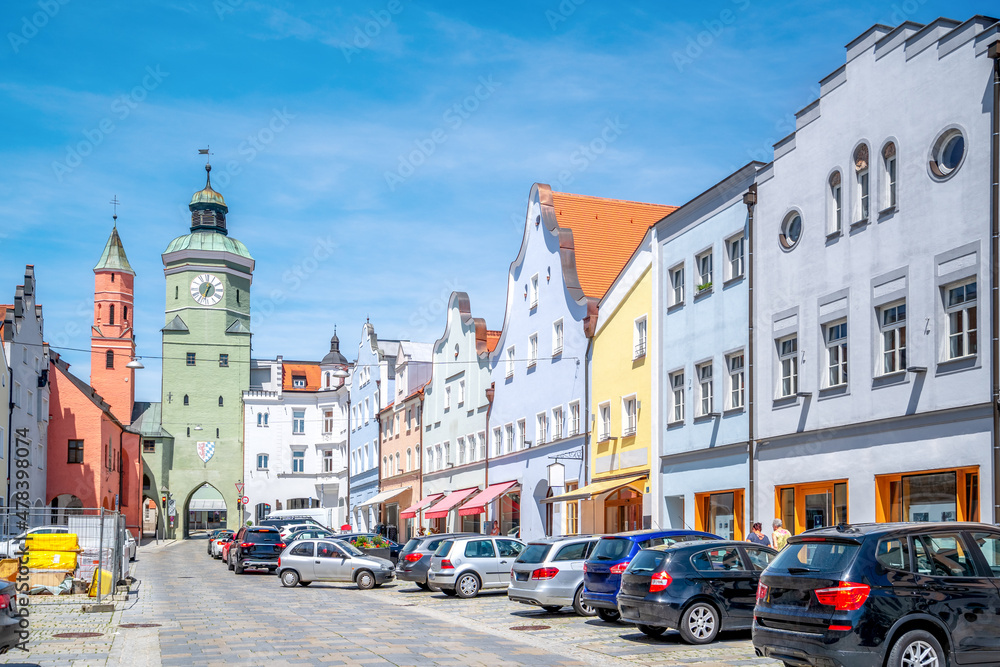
[
  {"x": 848, "y": 596},
  {"x": 279, "y": 561},
  {"x": 446, "y": 564},
  {"x": 659, "y": 582},
  {"x": 5, "y": 602},
  {"x": 618, "y": 569},
  {"x": 585, "y": 567},
  {"x": 839, "y": 628},
  {"x": 280, "y": 545},
  {"x": 761, "y": 592},
  {"x": 246, "y": 545},
  {"x": 545, "y": 573},
  {"x": 412, "y": 558}
]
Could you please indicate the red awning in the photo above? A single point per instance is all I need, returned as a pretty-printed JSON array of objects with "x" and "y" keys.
[
  {"x": 477, "y": 503},
  {"x": 412, "y": 510},
  {"x": 450, "y": 502}
]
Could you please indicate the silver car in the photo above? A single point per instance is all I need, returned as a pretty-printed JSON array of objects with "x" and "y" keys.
[
  {"x": 463, "y": 566},
  {"x": 305, "y": 561},
  {"x": 549, "y": 573}
]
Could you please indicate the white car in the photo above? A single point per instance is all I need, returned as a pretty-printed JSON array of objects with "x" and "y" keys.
[
  {"x": 292, "y": 527},
  {"x": 11, "y": 546},
  {"x": 130, "y": 545}
]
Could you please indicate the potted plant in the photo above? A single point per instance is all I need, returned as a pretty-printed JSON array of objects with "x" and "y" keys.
[
  {"x": 704, "y": 287},
  {"x": 373, "y": 545}
]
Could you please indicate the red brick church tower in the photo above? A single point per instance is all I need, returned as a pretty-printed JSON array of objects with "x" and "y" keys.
[{"x": 112, "y": 343}]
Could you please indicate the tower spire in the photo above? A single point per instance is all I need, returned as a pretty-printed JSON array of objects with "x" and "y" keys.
[{"x": 114, "y": 202}]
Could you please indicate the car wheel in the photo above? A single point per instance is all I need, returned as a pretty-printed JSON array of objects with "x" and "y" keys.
[
  {"x": 699, "y": 623},
  {"x": 650, "y": 630},
  {"x": 289, "y": 578},
  {"x": 552, "y": 608},
  {"x": 580, "y": 607},
  {"x": 365, "y": 580},
  {"x": 450, "y": 592},
  {"x": 917, "y": 648},
  {"x": 467, "y": 586},
  {"x": 229, "y": 562},
  {"x": 238, "y": 568},
  {"x": 609, "y": 615},
  {"x": 422, "y": 586}
]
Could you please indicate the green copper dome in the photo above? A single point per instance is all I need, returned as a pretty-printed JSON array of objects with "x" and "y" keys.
[
  {"x": 207, "y": 197},
  {"x": 208, "y": 241}
]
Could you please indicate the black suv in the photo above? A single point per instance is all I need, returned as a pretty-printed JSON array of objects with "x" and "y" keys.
[
  {"x": 883, "y": 594},
  {"x": 255, "y": 548}
]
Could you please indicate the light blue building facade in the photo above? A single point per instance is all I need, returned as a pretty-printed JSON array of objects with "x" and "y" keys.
[
  {"x": 701, "y": 302},
  {"x": 372, "y": 388}
]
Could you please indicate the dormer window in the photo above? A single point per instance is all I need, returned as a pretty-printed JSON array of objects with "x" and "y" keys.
[{"x": 298, "y": 381}]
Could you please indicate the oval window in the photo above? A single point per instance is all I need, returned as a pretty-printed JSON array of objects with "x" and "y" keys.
[
  {"x": 948, "y": 153},
  {"x": 791, "y": 230}
]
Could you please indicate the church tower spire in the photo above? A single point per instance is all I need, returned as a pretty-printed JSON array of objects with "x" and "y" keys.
[{"x": 112, "y": 342}]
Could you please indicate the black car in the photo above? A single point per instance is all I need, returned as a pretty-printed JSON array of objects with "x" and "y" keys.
[
  {"x": 393, "y": 547},
  {"x": 255, "y": 548},
  {"x": 883, "y": 594},
  {"x": 415, "y": 557},
  {"x": 698, "y": 588}
]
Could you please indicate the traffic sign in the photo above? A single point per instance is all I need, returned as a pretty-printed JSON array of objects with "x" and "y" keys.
[
  {"x": 239, "y": 488},
  {"x": 245, "y": 500}
]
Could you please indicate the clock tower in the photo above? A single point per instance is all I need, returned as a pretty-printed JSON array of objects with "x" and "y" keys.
[{"x": 206, "y": 363}]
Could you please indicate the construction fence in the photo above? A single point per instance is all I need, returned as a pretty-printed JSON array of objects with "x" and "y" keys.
[{"x": 59, "y": 554}]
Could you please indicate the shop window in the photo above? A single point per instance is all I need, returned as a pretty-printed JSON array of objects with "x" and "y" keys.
[
  {"x": 623, "y": 511},
  {"x": 938, "y": 495},
  {"x": 572, "y": 511},
  {"x": 813, "y": 505},
  {"x": 510, "y": 514},
  {"x": 720, "y": 513}
]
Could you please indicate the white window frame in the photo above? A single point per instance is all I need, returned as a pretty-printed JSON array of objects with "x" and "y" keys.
[
  {"x": 533, "y": 292},
  {"x": 522, "y": 428},
  {"x": 677, "y": 390},
  {"x": 604, "y": 421},
  {"x": 265, "y": 459},
  {"x": 327, "y": 460},
  {"x": 703, "y": 263},
  {"x": 574, "y": 418},
  {"x": 558, "y": 423},
  {"x": 836, "y": 197},
  {"x": 508, "y": 432},
  {"x": 706, "y": 388},
  {"x": 510, "y": 362},
  {"x": 736, "y": 372},
  {"x": 460, "y": 445},
  {"x": 864, "y": 207},
  {"x": 630, "y": 415},
  {"x": 787, "y": 348},
  {"x": 298, "y": 423},
  {"x": 541, "y": 428},
  {"x": 736, "y": 256},
  {"x": 639, "y": 337},
  {"x": 892, "y": 338},
  {"x": 298, "y": 461},
  {"x": 532, "y": 350},
  {"x": 327, "y": 421},
  {"x": 836, "y": 353},
  {"x": 461, "y": 393},
  {"x": 890, "y": 176},
  {"x": 676, "y": 274},
  {"x": 481, "y": 441},
  {"x": 497, "y": 441},
  {"x": 447, "y": 398},
  {"x": 961, "y": 313},
  {"x": 558, "y": 332}
]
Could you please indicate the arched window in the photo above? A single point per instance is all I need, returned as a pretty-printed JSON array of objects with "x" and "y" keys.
[
  {"x": 260, "y": 419},
  {"x": 109, "y": 359},
  {"x": 836, "y": 203},
  {"x": 409, "y": 459},
  {"x": 395, "y": 467},
  {"x": 187, "y": 401},
  {"x": 111, "y": 314},
  {"x": 328, "y": 380},
  {"x": 265, "y": 419},
  {"x": 889, "y": 175},
  {"x": 220, "y": 401},
  {"x": 861, "y": 169}
]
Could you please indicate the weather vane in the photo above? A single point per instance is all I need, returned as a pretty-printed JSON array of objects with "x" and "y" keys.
[
  {"x": 205, "y": 151},
  {"x": 114, "y": 202}
]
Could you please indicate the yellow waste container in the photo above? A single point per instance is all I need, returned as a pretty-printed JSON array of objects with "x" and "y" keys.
[
  {"x": 52, "y": 542},
  {"x": 106, "y": 583}
]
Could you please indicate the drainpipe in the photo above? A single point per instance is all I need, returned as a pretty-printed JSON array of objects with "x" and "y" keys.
[
  {"x": 750, "y": 199},
  {"x": 490, "y": 393},
  {"x": 994, "y": 53},
  {"x": 350, "y": 417},
  {"x": 586, "y": 402}
]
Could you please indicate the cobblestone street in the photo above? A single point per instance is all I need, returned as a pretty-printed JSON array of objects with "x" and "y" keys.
[{"x": 206, "y": 615}]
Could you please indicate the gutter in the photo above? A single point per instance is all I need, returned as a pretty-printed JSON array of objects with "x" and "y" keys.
[
  {"x": 994, "y": 53},
  {"x": 750, "y": 199}
]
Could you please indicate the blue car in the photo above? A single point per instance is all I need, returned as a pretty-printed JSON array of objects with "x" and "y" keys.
[{"x": 602, "y": 572}]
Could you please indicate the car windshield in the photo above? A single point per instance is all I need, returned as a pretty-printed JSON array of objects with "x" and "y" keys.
[
  {"x": 264, "y": 536},
  {"x": 612, "y": 548},
  {"x": 350, "y": 548},
  {"x": 828, "y": 556},
  {"x": 534, "y": 553},
  {"x": 646, "y": 562},
  {"x": 444, "y": 548}
]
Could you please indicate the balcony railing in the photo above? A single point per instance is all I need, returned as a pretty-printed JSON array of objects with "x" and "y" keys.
[
  {"x": 640, "y": 350},
  {"x": 628, "y": 431}
]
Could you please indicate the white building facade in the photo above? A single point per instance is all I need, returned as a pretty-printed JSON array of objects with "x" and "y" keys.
[{"x": 873, "y": 304}]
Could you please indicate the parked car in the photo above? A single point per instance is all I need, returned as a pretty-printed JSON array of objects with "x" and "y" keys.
[
  {"x": 14, "y": 545},
  {"x": 697, "y": 588},
  {"x": 224, "y": 552},
  {"x": 130, "y": 545},
  {"x": 415, "y": 556},
  {"x": 10, "y": 618},
  {"x": 213, "y": 536},
  {"x": 307, "y": 561},
  {"x": 548, "y": 573},
  {"x": 874, "y": 594},
  {"x": 220, "y": 539},
  {"x": 290, "y": 528},
  {"x": 464, "y": 566},
  {"x": 312, "y": 533},
  {"x": 394, "y": 548},
  {"x": 255, "y": 548},
  {"x": 602, "y": 573}
]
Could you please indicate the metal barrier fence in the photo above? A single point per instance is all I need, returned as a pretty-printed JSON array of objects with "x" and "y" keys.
[{"x": 92, "y": 562}]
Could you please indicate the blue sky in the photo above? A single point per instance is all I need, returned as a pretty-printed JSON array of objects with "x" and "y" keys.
[{"x": 375, "y": 155}]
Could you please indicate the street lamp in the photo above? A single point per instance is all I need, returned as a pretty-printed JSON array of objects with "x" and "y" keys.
[{"x": 135, "y": 364}]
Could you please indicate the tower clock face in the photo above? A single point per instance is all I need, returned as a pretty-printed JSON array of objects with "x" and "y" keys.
[{"x": 206, "y": 289}]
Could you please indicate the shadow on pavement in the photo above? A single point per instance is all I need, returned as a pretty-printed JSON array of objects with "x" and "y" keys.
[{"x": 672, "y": 637}]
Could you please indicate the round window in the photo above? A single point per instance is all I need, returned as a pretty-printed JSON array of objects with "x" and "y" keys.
[
  {"x": 791, "y": 230},
  {"x": 948, "y": 153}
]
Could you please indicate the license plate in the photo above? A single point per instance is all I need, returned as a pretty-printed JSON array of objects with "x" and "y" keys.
[{"x": 521, "y": 576}]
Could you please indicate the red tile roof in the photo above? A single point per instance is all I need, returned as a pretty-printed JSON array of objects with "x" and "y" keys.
[
  {"x": 309, "y": 371},
  {"x": 605, "y": 234},
  {"x": 492, "y": 339}
]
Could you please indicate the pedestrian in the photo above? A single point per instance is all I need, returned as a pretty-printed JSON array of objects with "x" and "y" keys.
[
  {"x": 779, "y": 536},
  {"x": 496, "y": 529},
  {"x": 757, "y": 536}
]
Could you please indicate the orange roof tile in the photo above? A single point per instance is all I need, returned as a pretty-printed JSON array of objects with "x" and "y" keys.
[
  {"x": 605, "y": 234},
  {"x": 310, "y": 371},
  {"x": 492, "y": 339}
]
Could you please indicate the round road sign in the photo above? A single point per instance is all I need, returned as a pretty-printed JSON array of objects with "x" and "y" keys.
[{"x": 245, "y": 500}]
